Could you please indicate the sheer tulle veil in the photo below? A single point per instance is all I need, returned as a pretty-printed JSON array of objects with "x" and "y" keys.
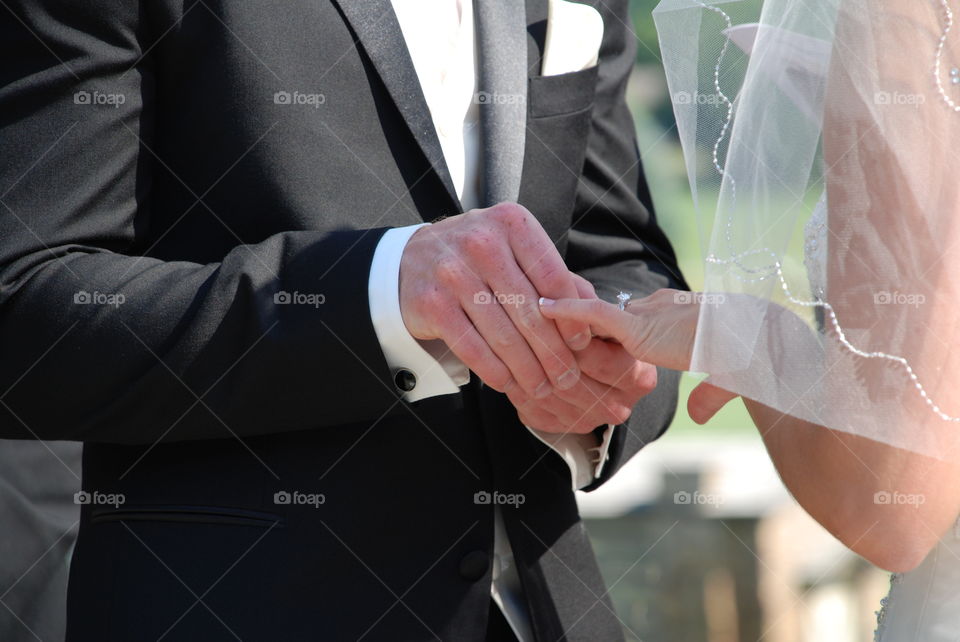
[{"x": 822, "y": 141}]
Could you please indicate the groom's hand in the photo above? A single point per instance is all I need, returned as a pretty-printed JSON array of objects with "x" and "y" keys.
[
  {"x": 610, "y": 385},
  {"x": 474, "y": 281}
]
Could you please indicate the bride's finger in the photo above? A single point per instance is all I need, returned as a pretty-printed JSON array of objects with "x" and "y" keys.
[
  {"x": 605, "y": 319},
  {"x": 706, "y": 400}
]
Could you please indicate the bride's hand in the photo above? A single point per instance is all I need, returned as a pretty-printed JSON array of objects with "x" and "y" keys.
[{"x": 659, "y": 329}]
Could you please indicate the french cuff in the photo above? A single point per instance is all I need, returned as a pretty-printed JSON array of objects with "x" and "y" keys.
[
  {"x": 582, "y": 454},
  {"x": 421, "y": 369}
]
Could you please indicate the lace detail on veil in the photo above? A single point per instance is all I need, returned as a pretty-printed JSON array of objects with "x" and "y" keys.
[{"x": 815, "y": 242}]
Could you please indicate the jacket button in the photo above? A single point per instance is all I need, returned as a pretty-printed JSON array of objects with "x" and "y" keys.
[
  {"x": 474, "y": 565},
  {"x": 405, "y": 380}
]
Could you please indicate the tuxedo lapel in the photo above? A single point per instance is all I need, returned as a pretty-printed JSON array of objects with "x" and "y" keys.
[
  {"x": 378, "y": 32},
  {"x": 502, "y": 53}
]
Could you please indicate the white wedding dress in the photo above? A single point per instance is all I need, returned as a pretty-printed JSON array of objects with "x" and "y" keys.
[{"x": 924, "y": 604}]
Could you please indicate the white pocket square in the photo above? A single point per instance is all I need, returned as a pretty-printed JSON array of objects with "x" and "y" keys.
[{"x": 574, "y": 33}]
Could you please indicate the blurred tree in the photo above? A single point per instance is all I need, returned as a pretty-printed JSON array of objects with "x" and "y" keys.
[{"x": 648, "y": 49}]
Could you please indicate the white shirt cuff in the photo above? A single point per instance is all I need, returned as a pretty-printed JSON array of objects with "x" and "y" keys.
[
  {"x": 582, "y": 454},
  {"x": 436, "y": 370}
]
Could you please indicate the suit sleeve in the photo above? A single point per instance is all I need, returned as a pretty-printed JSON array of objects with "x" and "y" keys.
[
  {"x": 98, "y": 343},
  {"x": 615, "y": 241}
]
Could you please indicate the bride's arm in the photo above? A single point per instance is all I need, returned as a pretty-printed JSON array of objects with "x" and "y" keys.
[
  {"x": 834, "y": 475},
  {"x": 892, "y": 152}
]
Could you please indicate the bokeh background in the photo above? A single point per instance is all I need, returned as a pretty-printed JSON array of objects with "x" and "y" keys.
[{"x": 697, "y": 538}]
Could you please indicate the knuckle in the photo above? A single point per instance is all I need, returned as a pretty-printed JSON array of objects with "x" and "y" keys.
[
  {"x": 481, "y": 243},
  {"x": 646, "y": 378},
  {"x": 511, "y": 388},
  {"x": 509, "y": 213},
  {"x": 554, "y": 276},
  {"x": 503, "y": 338},
  {"x": 620, "y": 414},
  {"x": 524, "y": 419},
  {"x": 471, "y": 353},
  {"x": 534, "y": 417},
  {"x": 501, "y": 381},
  {"x": 449, "y": 271},
  {"x": 528, "y": 318},
  {"x": 433, "y": 304}
]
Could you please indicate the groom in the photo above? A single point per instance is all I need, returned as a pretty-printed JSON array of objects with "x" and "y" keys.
[{"x": 307, "y": 412}]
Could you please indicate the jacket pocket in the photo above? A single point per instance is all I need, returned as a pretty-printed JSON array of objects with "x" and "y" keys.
[
  {"x": 559, "y": 113},
  {"x": 561, "y": 94}
]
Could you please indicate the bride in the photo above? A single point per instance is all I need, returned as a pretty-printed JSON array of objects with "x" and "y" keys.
[{"x": 822, "y": 139}]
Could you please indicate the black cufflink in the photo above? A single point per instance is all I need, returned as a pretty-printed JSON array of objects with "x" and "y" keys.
[{"x": 405, "y": 380}]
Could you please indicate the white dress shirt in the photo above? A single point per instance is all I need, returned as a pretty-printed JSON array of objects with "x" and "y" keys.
[{"x": 440, "y": 38}]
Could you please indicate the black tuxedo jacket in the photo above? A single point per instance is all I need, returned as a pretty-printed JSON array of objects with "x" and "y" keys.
[{"x": 162, "y": 183}]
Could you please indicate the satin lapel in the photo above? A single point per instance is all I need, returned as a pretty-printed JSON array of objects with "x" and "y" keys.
[
  {"x": 378, "y": 32},
  {"x": 502, "y": 52}
]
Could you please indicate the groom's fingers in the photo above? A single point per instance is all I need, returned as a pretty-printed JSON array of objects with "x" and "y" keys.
[
  {"x": 463, "y": 339},
  {"x": 503, "y": 337},
  {"x": 706, "y": 400},
  {"x": 518, "y": 298},
  {"x": 540, "y": 261},
  {"x": 584, "y": 288},
  {"x": 587, "y": 292},
  {"x": 610, "y": 364}
]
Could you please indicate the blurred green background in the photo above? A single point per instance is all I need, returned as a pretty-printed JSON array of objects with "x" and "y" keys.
[{"x": 667, "y": 176}]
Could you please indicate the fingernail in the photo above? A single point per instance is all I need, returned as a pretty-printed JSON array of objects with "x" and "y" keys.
[
  {"x": 568, "y": 379},
  {"x": 543, "y": 390},
  {"x": 544, "y": 301}
]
